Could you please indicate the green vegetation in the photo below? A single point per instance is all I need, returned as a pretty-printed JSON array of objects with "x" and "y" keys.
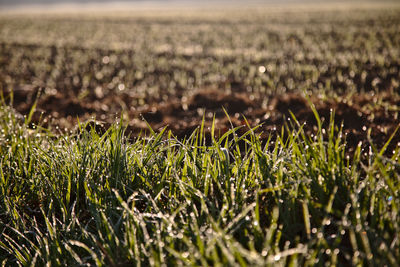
[
  {"x": 100, "y": 200},
  {"x": 301, "y": 195}
]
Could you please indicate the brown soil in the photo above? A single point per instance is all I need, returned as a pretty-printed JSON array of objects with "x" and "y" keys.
[{"x": 359, "y": 113}]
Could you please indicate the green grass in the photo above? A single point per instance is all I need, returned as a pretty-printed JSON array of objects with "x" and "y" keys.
[
  {"x": 85, "y": 198},
  {"x": 89, "y": 199}
]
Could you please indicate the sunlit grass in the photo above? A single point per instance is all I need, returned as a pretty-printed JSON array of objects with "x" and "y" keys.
[{"x": 101, "y": 199}]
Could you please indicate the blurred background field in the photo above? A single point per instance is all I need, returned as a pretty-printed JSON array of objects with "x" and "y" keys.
[{"x": 172, "y": 63}]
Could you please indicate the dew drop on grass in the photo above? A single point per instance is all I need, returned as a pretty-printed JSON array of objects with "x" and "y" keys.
[
  {"x": 264, "y": 253},
  {"x": 185, "y": 255},
  {"x": 277, "y": 257}
]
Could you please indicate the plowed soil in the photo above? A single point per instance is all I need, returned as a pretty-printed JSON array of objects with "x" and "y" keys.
[{"x": 365, "y": 117}]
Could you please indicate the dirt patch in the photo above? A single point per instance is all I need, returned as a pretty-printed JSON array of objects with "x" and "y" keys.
[
  {"x": 364, "y": 117},
  {"x": 215, "y": 100}
]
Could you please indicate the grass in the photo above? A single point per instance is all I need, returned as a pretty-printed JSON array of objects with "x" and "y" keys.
[{"x": 85, "y": 198}]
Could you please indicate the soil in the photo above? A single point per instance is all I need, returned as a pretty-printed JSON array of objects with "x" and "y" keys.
[{"x": 365, "y": 117}]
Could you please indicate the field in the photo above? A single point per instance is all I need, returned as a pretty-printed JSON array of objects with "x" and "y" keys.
[{"x": 265, "y": 135}]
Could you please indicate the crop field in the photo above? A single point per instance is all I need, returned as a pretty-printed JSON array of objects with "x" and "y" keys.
[{"x": 202, "y": 136}]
